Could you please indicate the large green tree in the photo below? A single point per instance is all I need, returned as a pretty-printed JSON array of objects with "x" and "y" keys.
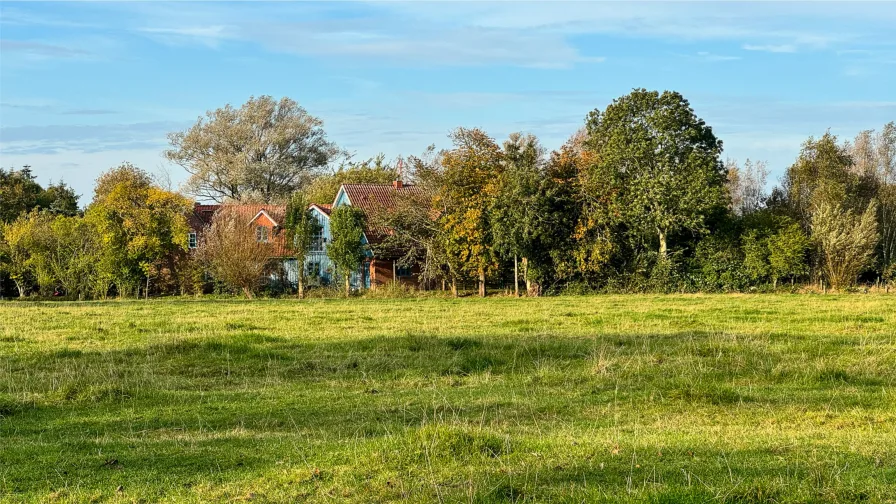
[
  {"x": 822, "y": 175},
  {"x": 263, "y": 151},
  {"x": 659, "y": 161},
  {"x": 526, "y": 217},
  {"x": 346, "y": 248},
  {"x": 20, "y": 193},
  {"x": 787, "y": 253},
  {"x": 301, "y": 226}
]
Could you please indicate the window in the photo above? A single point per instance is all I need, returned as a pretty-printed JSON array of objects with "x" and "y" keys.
[
  {"x": 318, "y": 240},
  {"x": 261, "y": 234},
  {"x": 191, "y": 241},
  {"x": 403, "y": 272}
]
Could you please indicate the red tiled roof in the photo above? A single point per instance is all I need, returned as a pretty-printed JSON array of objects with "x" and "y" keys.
[
  {"x": 325, "y": 208},
  {"x": 372, "y": 197},
  {"x": 203, "y": 215}
]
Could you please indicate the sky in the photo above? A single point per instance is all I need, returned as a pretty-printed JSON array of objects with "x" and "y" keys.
[{"x": 85, "y": 86}]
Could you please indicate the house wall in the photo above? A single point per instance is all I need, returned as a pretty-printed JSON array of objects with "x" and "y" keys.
[
  {"x": 372, "y": 273},
  {"x": 318, "y": 266},
  {"x": 382, "y": 272}
]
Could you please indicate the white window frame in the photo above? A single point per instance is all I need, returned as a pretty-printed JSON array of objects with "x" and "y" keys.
[{"x": 192, "y": 240}]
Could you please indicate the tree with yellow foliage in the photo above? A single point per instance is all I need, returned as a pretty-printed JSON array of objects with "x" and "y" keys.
[
  {"x": 471, "y": 173},
  {"x": 138, "y": 223}
]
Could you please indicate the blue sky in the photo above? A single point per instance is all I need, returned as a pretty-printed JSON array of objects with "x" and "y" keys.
[{"x": 85, "y": 86}]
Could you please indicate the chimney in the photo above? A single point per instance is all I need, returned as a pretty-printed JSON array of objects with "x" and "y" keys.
[{"x": 397, "y": 183}]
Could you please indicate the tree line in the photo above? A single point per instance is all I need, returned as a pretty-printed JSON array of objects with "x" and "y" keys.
[{"x": 638, "y": 200}]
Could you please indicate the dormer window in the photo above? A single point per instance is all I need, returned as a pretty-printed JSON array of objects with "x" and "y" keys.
[
  {"x": 191, "y": 240},
  {"x": 261, "y": 234}
]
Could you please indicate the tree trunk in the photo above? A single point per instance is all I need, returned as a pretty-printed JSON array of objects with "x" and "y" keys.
[
  {"x": 348, "y": 285},
  {"x": 526, "y": 276},
  {"x": 454, "y": 287},
  {"x": 775, "y": 283},
  {"x": 663, "y": 249},
  {"x": 248, "y": 292},
  {"x": 301, "y": 280},
  {"x": 516, "y": 278},
  {"x": 146, "y": 293},
  {"x": 481, "y": 282},
  {"x": 21, "y": 288}
]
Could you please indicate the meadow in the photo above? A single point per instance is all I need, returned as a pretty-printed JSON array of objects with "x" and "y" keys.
[{"x": 680, "y": 398}]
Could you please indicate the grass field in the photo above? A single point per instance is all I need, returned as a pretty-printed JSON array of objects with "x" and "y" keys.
[{"x": 729, "y": 398}]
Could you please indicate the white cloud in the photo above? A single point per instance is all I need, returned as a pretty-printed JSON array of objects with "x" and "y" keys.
[
  {"x": 708, "y": 56},
  {"x": 780, "y": 48},
  {"x": 40, "y": 49},
  {"x": 210, "y": 36},
  {"x": 49, "y": 139}
]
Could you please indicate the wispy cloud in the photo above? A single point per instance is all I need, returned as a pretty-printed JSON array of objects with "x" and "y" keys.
[
  {"x": 773, "y": 48},
  {"x": 210, "y": 36},
  {"x": 32, "y": 106},
  {"x": 708, "y": 56},
  {"x": 40, "y": 49},
  {"x": 54, "y": 108},
  {"x": 84, "y": 138},
  {"x": 85, "y": 111}
]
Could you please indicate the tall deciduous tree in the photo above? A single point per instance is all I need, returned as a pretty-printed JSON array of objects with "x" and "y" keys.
[
  {"x": 19, "y": 241},
  {"x": 661, "y": 160},
  {"x": 71, "y": 252},
  {"x": 846, "y": 240},
  {"x": 787, "y": 253},
  {"x": 300, "y": 226},
  {"x": 346, "y": 248},
  {"x": 20, "y": 193},
  {"x": 823, "y": 175},
  {"x": 885, "y": 156},
  {"x": 231, "y": 252},
  {"x": 525, "y": 217},
  {"x": 471, "y": 171},
  {"x": 138, "y": 223},
  {"x": 587, "y": 199},
  {"x": 263, "y": 151},
  {"x": 874, "y": 158},
  {"x": 746, "y": 185}
]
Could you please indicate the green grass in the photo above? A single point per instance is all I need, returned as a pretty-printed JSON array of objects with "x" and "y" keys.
[{"x": 736, "y": 398}]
